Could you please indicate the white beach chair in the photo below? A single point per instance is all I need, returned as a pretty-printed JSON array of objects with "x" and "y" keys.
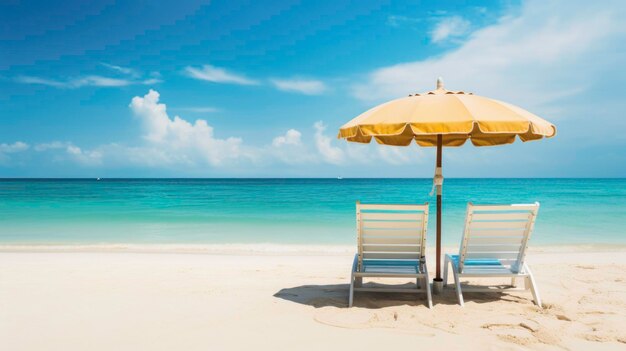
[
  {"x": 391, "y": 244},
  {"x": 494, "y": 245}
]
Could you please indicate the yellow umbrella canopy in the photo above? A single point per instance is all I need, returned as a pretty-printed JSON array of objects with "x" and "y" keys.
[
  {"x": 445, "y": 118},
  {"x": 456, "y": 115}
]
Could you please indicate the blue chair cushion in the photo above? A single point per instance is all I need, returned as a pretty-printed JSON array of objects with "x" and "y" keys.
[
  {"x": 391, "y": 266},
  {"x": 477, "y": 262}
]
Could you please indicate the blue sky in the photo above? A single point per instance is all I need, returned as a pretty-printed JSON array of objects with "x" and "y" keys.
[{"x": 259, "y": 89}]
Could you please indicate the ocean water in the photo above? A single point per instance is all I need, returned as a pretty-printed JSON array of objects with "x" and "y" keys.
[{"x": 287, "y": 211}]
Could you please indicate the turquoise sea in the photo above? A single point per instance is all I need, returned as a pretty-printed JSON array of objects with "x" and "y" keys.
[{"x": 286, "y": 211}]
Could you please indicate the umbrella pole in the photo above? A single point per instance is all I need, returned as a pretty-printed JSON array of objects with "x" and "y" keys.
[{"x": 438, "y": 282}]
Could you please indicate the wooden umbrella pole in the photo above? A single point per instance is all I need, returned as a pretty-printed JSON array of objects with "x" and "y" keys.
[{"x": 439, "y": 191}]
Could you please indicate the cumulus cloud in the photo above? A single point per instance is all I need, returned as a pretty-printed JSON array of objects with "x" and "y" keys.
[
  {"x": 450, "y": 27},
  {"x": 292, "y": 137},
  {"x": 87, "y": 157},
  {"x": 17, "y": 146},
  {"x": 71, "y": 151},
  {"x": 7, "y": 149},
  {"x": 218, "y": 75},
  {"x": 302, "y": 86},
  {"x": 165, "y": 142},
  {"x": 329, "y": 153},
  {"x": 291, "y": 149},
  {"x": 51, "y": 146},
  {"x": 181, "y": 139},
  {"x": 188, "y": 148},
  {"x": 288, "y": 149}
]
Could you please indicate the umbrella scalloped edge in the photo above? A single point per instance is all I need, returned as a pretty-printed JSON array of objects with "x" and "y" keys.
[{"x": 453, "y": 135}]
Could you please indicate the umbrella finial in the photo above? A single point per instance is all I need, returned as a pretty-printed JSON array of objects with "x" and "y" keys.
[{"x": 439, "y": 83}]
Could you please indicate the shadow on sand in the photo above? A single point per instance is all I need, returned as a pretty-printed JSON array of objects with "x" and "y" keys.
[{"x": 337, "y": 296}]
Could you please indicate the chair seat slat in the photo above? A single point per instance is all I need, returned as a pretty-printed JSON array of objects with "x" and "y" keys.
[{"x": 392, "y": 255}]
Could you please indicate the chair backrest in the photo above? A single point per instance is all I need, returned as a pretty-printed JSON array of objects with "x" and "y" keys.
[
  {"x": 391, "y": 232},
  {"x": 497, "y": 232}
]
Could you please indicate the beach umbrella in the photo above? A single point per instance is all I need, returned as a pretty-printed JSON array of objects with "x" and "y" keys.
[{"x": 441, "y": 118}]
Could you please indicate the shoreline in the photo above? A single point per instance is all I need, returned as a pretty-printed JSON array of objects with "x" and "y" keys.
[{"x": 263, "y": 248}]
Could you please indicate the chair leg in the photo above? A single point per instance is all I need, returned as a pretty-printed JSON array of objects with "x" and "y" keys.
[
  {"x": 457, "y": 284},
  {"x": 533, "y": 286},
  {"x": 358, "y": 282},
  {"x": 513, "y": 284},
  {"x": 445, "y": 271},
  {"x": 351, "y": 293},
  {"x": 429, "y": 295},
  {"x": 353, "y": 280}
]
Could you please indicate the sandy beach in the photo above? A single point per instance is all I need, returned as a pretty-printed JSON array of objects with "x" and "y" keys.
[{"x": 271, "y": 297}]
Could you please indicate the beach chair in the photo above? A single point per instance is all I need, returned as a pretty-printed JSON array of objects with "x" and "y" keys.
[
  {"x": 391, "y": 244},
  {"x": 494, "y": 245}
]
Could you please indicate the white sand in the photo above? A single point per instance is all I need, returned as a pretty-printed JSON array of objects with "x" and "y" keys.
[{"x": 228, "y": 297}]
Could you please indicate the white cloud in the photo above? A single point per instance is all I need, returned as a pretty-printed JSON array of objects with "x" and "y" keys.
[
  {"x": 303, "y": 86},
  {"x": 42, "y": 81},
  {"x": 150, "y": 81},
  {"x": 292, "y": 137},
  {"x": 450, "y": 27},
  {"x": 215, "y": 74},
  {"x": 291, "y": 149},
  {"x": 288, "y": 149},
  {"x": 559, "y": 59},
  {"x": 93, "y": 81},
  {"x": 124, "y": 70},
  {"x": 7, "y": 149},
  {"x": 397, "y": 21},
  {"x": 51, "y": 146},
  {"x": 133, "y": 77},
  {"x": 547, "y": 51},
  {"x": 166, "y": 143},
  {"x": 171, "y": 143},
  {"x": 218, "y": 75},
  {"x": 329, "y": 153},
  {"x": 180, "y": 139},
  {"x": 99, "y": 81},
  {"x": 17, "y": 146},
  {"x": 85, "y": 157},
  {"x": 198, "y": 109}
]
